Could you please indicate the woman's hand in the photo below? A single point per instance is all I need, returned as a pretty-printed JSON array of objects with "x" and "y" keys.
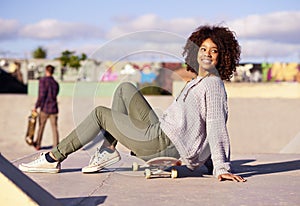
[{"x": 231, "y": 177}]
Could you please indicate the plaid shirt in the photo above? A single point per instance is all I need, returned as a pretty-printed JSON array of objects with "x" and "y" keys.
[{"x": 48, "y": 91}]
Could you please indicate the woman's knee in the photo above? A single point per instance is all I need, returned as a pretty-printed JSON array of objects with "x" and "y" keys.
[
  {"x": 99, "y": 110},
  {"x": 100, "y": 114},
  {"x": 125, "y": 86}
]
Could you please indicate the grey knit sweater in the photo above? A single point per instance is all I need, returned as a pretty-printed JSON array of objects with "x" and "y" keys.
[{"x": 196, "y": 124}]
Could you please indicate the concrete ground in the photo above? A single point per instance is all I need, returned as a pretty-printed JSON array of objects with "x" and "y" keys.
[
  {"x": 272, "y": 179},
  {"x": 268, "y": 159}
]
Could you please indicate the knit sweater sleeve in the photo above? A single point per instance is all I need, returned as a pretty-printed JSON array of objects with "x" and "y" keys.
[{"x": 217, "y": 134}]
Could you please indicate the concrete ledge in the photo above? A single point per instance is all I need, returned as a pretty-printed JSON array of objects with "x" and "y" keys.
[
  {"x": 79, "y": 89},
  {"x": 263, "y": 125},
  {"x": 255, "y": 125},
  {"x": 290, "y": 90},
  {"x": 18, "y": 189}
]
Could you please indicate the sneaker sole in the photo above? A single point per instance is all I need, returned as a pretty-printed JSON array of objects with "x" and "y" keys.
[
  {"x": 38, "y": 170},
  {"x": 100, "y": 167}
]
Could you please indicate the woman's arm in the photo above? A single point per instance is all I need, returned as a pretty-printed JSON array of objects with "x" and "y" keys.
[
  {"x": 216, "y": 131},
  {"x": 232, "y": 177}
]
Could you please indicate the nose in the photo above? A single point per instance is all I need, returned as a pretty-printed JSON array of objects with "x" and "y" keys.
[{"x": 207, "y": 53}]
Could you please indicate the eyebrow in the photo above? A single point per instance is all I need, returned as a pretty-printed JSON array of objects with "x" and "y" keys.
[{"x": 214, "y": 47}]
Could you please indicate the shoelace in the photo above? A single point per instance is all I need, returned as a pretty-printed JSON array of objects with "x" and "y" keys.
[
  {"x": 37, "y": 160},
  {"x": 98, "y": 155}
]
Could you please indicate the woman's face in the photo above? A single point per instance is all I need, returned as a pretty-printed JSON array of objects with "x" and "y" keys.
[{"x": 207, "y": 56}]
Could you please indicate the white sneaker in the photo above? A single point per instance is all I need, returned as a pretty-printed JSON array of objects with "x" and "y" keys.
[
  {"x": 40, "y": 165},
  {"x": 102, "y": 158}
]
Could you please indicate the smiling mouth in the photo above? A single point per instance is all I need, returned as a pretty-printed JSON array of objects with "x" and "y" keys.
[{"x": 206, "y": 61}]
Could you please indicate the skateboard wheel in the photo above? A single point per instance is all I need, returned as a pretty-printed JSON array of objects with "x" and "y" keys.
[
  {"x": 174, "y": 173},
  {"x": 147, "y": 173},
  {"x": 135, "y": 166}
]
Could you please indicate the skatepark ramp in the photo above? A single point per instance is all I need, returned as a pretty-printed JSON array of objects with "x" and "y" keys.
[{"x": 18, "y": 189}]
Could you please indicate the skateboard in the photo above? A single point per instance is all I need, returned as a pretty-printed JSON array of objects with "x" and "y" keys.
[
  {"x": 159, "y": 167},
  {"x": 31, "y": 128}
]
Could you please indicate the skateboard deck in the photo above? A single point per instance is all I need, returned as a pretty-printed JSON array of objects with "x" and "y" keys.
[
  {"x": 31, "y": 128},
  {"x": 159, "y": 167},
  {"x": 154, "y": 168}
]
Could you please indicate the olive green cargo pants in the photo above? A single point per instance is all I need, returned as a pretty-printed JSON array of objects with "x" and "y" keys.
[{"x": 131, "y": 121}]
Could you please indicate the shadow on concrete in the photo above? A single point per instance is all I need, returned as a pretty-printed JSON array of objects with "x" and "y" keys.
[
  {"x": 26, "y": 185},
  {"x": 70, "y": 170},
  {"x": 183, "y": 172},
  {"x": 46, "y": 147},
  {"x": 95, "y": 200},
  {"x": 241, "y": 167}
]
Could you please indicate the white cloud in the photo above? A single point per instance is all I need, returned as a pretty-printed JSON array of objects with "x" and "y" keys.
[
  {"x": 148, "y": 21},
  {"x": 154, "y": 22},
  {"x": 122, "y": 18},
  {"x": 278, "y": 26},
  {"x": 273, "y": 35},
  {"x": 8, "y": 28},
  {"x": 268, "y": 50},
  {"x": 49, "y": 29},
  {"x": 143, "y": 42}
]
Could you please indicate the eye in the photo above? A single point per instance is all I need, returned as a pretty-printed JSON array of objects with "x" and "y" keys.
[
  {"x": 214, "y": 51},
  {"x": 202, "y": 49}
]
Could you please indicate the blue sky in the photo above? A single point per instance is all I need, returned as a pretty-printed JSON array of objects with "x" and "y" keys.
[{"x": 266, "y": 29}]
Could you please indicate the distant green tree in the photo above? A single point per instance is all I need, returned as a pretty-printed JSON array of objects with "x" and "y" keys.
[
  {"x": 83, "y": 57},
  {"x": 39, "y": 53},
  {"x": 74, "y": 62},
  {"x": 68, "y": 59},
  {"x": 65, "y": 57}
]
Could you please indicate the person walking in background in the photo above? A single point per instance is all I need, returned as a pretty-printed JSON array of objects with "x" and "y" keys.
[
  {"x": 47, "y": 103},
  {"x": 193, "y": 127}
]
